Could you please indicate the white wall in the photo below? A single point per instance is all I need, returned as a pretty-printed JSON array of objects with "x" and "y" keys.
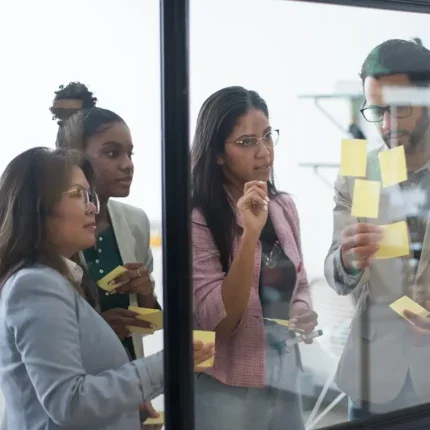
[{"x": 281, "y": 49}]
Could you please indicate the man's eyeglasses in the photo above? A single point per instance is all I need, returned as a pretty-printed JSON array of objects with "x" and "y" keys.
[
  {"x": 270, "y": 139},
  {"x": 376, "y": 113},
  {"x": 86, "y": 196}
]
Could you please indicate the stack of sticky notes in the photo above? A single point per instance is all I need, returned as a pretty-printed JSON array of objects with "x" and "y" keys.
[
  {"x": 107, "y": 284},
  {"x": 153, "y": 316},
  {"x": 406, "y": 303},
  {"x": 205, "y": 337},
  {"x": 278, "y": 321},
  {"x": 155, "y": 421}
]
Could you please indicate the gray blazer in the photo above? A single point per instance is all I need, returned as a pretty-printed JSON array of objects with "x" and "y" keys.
[
  {"x": 384, "y": 337},
  {"x": 132, "y": 232},
  {"x": 61, "y": 365}
]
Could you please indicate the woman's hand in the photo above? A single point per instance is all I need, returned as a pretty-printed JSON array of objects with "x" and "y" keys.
[
  {"x": 119, "y": 319},
  {"x": 135, "y": 281},
  {"x": 303, "y": 319},
  {"x": 202, "y": 352},
  {"x": 253, "y": 207}
]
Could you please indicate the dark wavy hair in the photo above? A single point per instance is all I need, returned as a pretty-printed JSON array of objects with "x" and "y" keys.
[
  {"x": 216, "y": 120},
  {"x": 27, "y": 196}
]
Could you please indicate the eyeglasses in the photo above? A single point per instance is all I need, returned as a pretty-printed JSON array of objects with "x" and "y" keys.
[
  {"x": 270, "y": 139},
  {"x": 87, "y": 197},
  {"x": 376, "y": 113}
]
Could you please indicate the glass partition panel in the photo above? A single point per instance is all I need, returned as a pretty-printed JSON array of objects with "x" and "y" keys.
[{"x": 309, "y": 157}]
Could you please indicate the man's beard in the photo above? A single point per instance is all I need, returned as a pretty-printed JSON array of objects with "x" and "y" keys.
[{"x": 414, "y": 140}]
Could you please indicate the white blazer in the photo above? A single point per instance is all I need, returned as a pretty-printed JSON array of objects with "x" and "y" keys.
[{"x": 132, "y": 231}]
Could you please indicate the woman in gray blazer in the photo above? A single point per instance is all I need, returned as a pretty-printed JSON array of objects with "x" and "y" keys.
[
  {"x": 61, "y": 365},
  {"x": 123, "y": 231}
]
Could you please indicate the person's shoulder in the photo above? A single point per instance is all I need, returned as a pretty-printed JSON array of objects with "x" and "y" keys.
[
  {"x": 34, "y": 280},
  {"x": 128, "y": 210}
]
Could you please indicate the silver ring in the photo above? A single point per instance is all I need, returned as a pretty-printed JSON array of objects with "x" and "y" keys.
[{"x": 139, "y": 273}]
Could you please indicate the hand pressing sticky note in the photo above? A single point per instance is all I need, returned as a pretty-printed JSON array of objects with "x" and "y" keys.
[
  {"x": 407, "y": 304},
  {"x": 106, "y": 282},
  {"x": 205, "y": 337},
  {"x": 395, "y": 241},
  {"x": 153, "y": 316},
  {"x": 155, "y": 421},
  {"x": 365, "y": 201},
  {"x": 393, "y": 166},
  {"x": 353, "y": 159}
]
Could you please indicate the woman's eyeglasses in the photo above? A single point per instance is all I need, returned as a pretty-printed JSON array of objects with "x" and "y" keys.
[
  {"x": 270, "y": 139},
  {"x": 87, "y": 197}
]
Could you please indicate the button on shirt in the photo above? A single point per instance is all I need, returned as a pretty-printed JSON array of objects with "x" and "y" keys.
[{"x": 101, "y": 260}]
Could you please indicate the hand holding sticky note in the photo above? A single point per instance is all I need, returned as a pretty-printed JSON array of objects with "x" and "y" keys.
[
  {"x": 107, "y": 283},
  {"x": 353, "y": 160},
  {"x": 205, "y": 337},
  {"x": 407, "y": 304},
  {"x": 393, "y": 166},
  {"x": 365, "y": 201},
  {"x": 395, "y": 241},
  {"x": 153, "y": 316},
  {"x": 155, "y": 421}
]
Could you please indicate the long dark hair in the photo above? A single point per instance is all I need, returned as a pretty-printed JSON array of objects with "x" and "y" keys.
[
  {"x": 74, "y": 132},
  {"x": 28, "y": 195},
  {"x": 216, "y": 120}
]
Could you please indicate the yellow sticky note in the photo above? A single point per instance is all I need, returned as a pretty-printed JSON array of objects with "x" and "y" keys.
[
  {"x": 155, "y": 421},
  {"x": 278, "y": 321},
  {"x": 406, "y": 303},
  {"x": 365, "y": 201},
  {"x": 393, "y": 166},
  {"x": 205, "y": 337},
  {"x": 353, "y": 160},
  {"x": 395, "y": 241},
  {"x": 104, "y": 282},
  {"x": 154, "y": 316}
]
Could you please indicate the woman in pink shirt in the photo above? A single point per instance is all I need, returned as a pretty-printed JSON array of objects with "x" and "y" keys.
[{"x": 247, "y": 269}]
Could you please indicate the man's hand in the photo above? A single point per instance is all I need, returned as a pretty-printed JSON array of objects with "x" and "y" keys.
[
  {"x": 359, "y": 244},
  {"x": 119, "y": 319},
  {"x": 420, "y": 326},
  {"x": 135, "y": 281},
  {"x": 202, "y": 352}
]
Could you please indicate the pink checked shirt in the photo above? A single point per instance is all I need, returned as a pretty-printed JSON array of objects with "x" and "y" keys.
[{"x": 240, "y": 360}]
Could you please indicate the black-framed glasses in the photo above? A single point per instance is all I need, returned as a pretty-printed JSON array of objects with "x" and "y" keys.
[
  {"x": 86, "y": 196},
  {"x": 376, "y": 113},
  {"x": 270, "y": 139}
]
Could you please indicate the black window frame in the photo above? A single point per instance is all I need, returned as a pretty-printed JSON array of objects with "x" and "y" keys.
[{"x": 176, "y": 244}]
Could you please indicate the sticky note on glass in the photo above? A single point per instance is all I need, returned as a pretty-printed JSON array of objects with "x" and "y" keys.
[
  {"x": 104, "y": 283},
  {"x": 353, "y": 159},
  {"x": 155, "y": 421},
  {"x": 393, "y": 166},
  {"x": 153, "y": 316},
  {"x": 395, "y": 241},
  {"x": 205, "y": 337},
  {"x": 406, "y": 303},
  {"x": 365, "y": 201}
]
